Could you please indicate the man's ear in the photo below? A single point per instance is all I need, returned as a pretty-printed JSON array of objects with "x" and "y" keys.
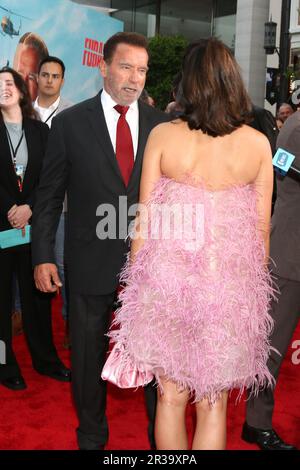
[{"x": 103, "y": 67}]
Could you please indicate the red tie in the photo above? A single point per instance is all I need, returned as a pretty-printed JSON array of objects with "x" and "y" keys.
[{"x": 124, "y": 146}]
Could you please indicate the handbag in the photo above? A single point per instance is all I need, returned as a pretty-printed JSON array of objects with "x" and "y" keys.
[{"x": 121, "y": 370}]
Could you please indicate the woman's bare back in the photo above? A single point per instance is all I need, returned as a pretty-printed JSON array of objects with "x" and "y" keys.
[
  {"x": 218, "y": 161},
  {"x": 238, "y": 159}
]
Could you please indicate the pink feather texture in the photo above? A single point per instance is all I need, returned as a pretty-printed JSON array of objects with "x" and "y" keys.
[{"x": 198, "y": 317}]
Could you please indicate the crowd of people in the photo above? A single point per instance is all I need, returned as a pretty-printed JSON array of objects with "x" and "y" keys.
[{"x": 199, "y": 312}]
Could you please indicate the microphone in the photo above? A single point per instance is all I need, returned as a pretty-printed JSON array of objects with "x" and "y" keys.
[{"x": 282, "y": 162}]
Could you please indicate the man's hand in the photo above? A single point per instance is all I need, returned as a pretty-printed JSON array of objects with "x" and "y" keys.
[
  {"x": 46, "y": 277},
  {"x": 18, "y": 216}
]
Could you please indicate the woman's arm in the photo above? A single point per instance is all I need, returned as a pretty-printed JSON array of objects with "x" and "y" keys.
[
  {"x": 151, "y": 173},
  {"x": 264, "y": 188}
]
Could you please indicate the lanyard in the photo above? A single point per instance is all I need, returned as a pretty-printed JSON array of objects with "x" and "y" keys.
[
  {"x": 14, "y": 156},
  {"x": 50, "y": 116}
]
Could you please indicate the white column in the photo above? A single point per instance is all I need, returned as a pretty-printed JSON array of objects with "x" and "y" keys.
[
  {"x": 151, "y": 24},
  {"x": 249, "y": 51}
]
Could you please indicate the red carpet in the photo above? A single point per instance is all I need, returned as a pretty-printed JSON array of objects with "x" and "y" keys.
[{"x": 43, "y": 416}]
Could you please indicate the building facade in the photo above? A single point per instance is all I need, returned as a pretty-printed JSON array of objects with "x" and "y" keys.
[
  {"x": 239, "y": 23},
  {"x": 295, "y": 32},
  {"x": 190, "y": 18}
]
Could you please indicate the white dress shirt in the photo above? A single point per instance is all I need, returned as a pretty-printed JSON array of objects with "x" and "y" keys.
[
  {"x": 112, "y": 117},
  {"x": 44, "y": 113}
]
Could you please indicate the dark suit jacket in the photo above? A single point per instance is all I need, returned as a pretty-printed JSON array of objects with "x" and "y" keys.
[
  {"x": 285, "y": 235},
  {"x": 80, "y": 160},
  {"x": 264, "y": 121},
  {"x": 36, "y": 134}
]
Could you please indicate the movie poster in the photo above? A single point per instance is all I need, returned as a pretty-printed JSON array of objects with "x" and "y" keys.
[{"x": 31, "y": 29}]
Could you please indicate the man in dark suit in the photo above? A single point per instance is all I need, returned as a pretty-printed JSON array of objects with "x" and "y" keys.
[
  {"x": 49, "y": 103},
  {"x": 95, "y": 154},
  {"x": 285, "y": 252}
]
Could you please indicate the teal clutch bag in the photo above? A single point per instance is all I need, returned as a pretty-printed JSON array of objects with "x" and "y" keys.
[{"x": 14, "y": 237}]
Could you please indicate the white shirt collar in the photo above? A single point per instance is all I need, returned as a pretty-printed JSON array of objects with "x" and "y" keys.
[
  {"x": 108, "y": 103},
  {"x": 51, "y": 108}
]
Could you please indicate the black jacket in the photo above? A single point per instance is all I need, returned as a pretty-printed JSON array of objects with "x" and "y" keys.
[
  {"x": 80, "y": 160},
  {"x": 264, "y": 121},
  {"x": 36, "y": 134}
]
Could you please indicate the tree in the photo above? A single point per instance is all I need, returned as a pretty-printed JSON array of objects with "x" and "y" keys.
[{"x": 165, "y": 62}]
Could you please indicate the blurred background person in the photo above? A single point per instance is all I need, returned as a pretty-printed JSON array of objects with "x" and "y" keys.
[
  {"x": 285, "y": 110},
  {"x": 146, "y": 98},
  {"x": 49, "y": 102},
  {"x": 264, "y": 121},
  {"x": 23, "y": 141},
  {"x": 30, "y": 51},
  {"x": 279, "y": 123},
  {"x": 173, "y": 107}
]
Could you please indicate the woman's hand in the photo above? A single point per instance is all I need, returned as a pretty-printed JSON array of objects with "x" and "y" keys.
[
  {"x": 12, "y": 212},
  {"x": 18, "y": 216}
]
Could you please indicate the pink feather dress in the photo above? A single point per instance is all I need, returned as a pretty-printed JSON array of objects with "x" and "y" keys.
[{"x": 196, "y": 299}]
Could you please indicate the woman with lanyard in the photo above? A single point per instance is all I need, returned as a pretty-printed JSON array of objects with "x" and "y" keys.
[{"x": 22, "y": 146}]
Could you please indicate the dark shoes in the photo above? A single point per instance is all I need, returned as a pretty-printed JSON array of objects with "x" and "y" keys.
[
  {"x": 14, "y": 383},
  {"x": 61, "y": 373},
  {"x": 18, "y": 383},
  {"x": 265, "y": 439}
]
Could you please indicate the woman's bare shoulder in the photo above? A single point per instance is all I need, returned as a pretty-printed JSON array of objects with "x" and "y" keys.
[
  {"x": 255, "y": 139},
  {"x": 251, "y": 133},
  {"x": 164, "y": 129}
]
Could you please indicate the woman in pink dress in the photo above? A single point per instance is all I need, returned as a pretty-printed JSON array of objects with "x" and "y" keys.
[{"x": 194, "y": 309}]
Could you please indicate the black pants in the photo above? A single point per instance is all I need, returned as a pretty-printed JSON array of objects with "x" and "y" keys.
[
  {"x": 36, "y": 313},
  {"x": 286, "y": 313},
  {"x": 90, "y": 317}
]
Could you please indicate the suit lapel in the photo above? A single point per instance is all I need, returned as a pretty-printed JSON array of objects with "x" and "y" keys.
[
  {"x": 143, "y": 134},
  {"x": 34, "y": 156},
  {"x": 98, "y": 125}
]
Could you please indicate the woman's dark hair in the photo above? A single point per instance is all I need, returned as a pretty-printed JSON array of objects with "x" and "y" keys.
[
  {"x": 25, "y": 101},
  {"x": 214, "y": 98}
]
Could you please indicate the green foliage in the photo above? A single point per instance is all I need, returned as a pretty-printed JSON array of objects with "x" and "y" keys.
[{"x": 165, "y": 62}]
